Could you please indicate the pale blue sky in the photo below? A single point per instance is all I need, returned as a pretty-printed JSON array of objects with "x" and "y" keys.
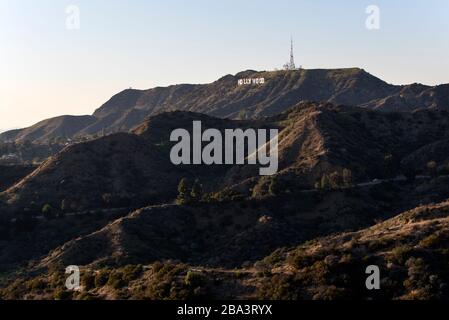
[{"x": 47, "y": 70}]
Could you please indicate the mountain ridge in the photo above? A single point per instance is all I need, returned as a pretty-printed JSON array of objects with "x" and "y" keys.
[{"x": 224, "y": 98}]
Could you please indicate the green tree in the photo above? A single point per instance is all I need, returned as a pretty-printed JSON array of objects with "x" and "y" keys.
[
  {"x": 48, "y": 211},
  {"x": 193, "y": 279},
  {"x": 325, "y": 184},
  {"x": 184, "y": 192},
  {"x": 64, "y": 206},
  {"x": 197, "y": 191},
  {"x": 335, "y": 180},
  {"x": 107, "y": 200},
  {"x": 62, "y": 209},
  {"x": 347, "y": 177},
  {"x": 432, "y": 168},
  {"x": 274, "y": 187}
]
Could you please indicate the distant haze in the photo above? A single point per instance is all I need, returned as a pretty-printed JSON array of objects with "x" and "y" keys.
[{"x": 47, "y": 70}]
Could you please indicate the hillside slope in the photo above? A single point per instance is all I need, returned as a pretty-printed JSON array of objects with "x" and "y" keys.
[
  {"x": 225, "y": 99},
  {"x": 410, "y": 250},
  {"x": 135, "y": 168},
  {"x": 161, "y": 253},
  {"x": 44, "y": 131}
]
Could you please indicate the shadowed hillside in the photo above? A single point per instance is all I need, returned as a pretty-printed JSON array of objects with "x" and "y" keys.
[
  {"x": 315, "y": 139},
  {"x": 115, "y": 206},
  {"x": 123, "y": 260}
]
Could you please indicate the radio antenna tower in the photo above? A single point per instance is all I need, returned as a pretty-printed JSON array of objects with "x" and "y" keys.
[
  {"x": 291, "y": 65},
  {"x": 292, "y": 57}
]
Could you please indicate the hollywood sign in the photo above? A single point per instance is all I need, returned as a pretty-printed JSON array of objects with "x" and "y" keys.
[{"x": 251, "y": 81}]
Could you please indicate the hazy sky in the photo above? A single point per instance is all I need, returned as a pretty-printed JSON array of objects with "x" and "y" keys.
[{"x": 47, "y": 70}]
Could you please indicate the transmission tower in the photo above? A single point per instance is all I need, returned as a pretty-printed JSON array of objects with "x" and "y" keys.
[{"x": 292, "y": 57}]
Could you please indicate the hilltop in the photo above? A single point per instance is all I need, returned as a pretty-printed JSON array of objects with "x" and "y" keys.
[{"x": 225, "y": 99}]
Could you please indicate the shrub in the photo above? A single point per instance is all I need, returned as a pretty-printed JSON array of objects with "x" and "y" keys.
[
  {"x": 61, "y": 294},
  {"x": 157, "y": 266},
  {"x": 184, "y": 192},
  {"x": 64, "y": 206},
  {"x": 131, "y": 272},
  {"x": 197, "y": 192},
  {"x": 48, "y": 212},
  {"x": 400, "y": 254},
  {"x": 275, "y": 188},
  {"x": 101, "y": 278},
  {"x": 116, "y": 280},
  {"x": 328, "y": 293},
  {"x": 434, "y": 240},
  {"x": 347, "y": 177},
  {"x": 37, "y": 284},
  {"x": 279, "y": 287},
  {"x": 432, "y": 168},
  {"x": 193, "y": 279},
  {"x": 86, "y": 296},
  {"x": 88, "y": 281}
]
